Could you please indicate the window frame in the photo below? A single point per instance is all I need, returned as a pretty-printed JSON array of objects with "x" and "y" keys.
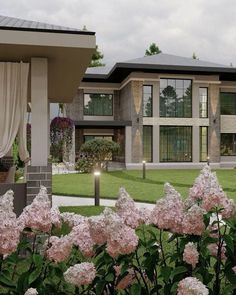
[
  {"x": 207, "y": 107},
  {"x": 149, "y": 85},
  {"x": 200, "y": 142},
  {"x": 176, "y": 79},
  {"x": 89, "y": 93},
  {"x": 151, "y": 127},
  {"x": 191, "y": 142}
]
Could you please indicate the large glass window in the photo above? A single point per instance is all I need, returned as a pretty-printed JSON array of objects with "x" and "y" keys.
[
  {"x": 203, "y": 143},
  {"x": 175, "y": 98},
  {"x": 147, "y": 101},
  {"x": 228, "y": 144},
  {"x": 175, "y": 144},
  {"x": 228, "y": 103},
  {"x": 98, "y": 104},
  {"x": 147, "y": 143},
  {"x": 91, "y": 137},
  {"x": 203, "y": 102}
]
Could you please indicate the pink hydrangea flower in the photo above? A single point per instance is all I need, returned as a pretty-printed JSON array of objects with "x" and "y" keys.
[
  {"x": 9, "y": 229},
  {"x": 121, "y": 239},
  {"x": 168, "y": 212},
  {"x": 191, "y": 286},
  {"x": 60, "y": 248},
  {"x": 193, "y": 223},
  {"x": 213, "y": 249},
  {"x": 234, "y": 269},
  {"x": 97, "y": 228},
  {"x": 72, "y": 219},
  {"x": 37, "y": 215},
  {"x": 127, "y": 210},
  {"x": 191, "y": 255},
  {"x": 81, "y": 237},
  {"x": 56, "y": 217},
  {"x": 80, "y": 274},
  {"x": 31, "y": 291}
]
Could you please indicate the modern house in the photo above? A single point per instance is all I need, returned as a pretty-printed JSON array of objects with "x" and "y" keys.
[{"x": 168, "y": 110}]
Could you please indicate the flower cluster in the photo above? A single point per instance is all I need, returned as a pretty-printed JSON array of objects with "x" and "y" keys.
[
  {"x": 80, "y": 274},
  {"x": 191, "y": 254},
  {"x": 9, "y": 230},
  {"x": 191, "y": 286},
  {"x": 31, "y": 291},
  {"x": 60, "y": 248}
]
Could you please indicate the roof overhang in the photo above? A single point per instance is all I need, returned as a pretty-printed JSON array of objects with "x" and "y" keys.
[
  {"x": 68, "y": 56},
  {"x": 120, "y": 71}
]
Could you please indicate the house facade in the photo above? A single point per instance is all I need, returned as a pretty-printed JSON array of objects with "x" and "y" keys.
[{"x": 168, "y": 110}]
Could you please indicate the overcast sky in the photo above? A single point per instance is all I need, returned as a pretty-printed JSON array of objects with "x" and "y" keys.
[{"x": 125, "y": 28}]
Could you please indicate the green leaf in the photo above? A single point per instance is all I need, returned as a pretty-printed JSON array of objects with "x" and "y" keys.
[
  {"x": 100, "y": 287},
  {"x": 6, "y": 282},
  {"x": 229, "y": 242},
  {"x": 34, "y": 275},
  {"x": 135, "y": 289},
  {"x": 38, "y": 260},
  {"x": 109, "y": 277},
  {"x": 165, "y": 272},
  {"x": 178, "y": 270}
]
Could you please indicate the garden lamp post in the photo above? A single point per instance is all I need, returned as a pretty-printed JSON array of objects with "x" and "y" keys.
[
  {"x": 97, "y": 187},
  {"x": 208, "y": 160},
  {"x": 144, "y": 169}
]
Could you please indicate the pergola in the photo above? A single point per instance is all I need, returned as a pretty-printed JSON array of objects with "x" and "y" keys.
[{"x": 58, "y": 57}]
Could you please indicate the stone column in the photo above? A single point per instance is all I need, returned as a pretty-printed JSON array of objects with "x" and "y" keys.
[
  {"x": 214, "y": 124},
  {"x": 39, "y": 172},
  {"x": 137, "y": 121},
  {"x": 128, "y": 144}
]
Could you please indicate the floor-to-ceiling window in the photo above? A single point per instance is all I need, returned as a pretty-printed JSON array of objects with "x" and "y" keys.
[
  {"x": 203, "y": 143},
  {"x": 147, "y": 100},
  {"x": 147, "y": 143},
  {"x": 175, "y": 98},
  {"x": 175, "y": 143}
]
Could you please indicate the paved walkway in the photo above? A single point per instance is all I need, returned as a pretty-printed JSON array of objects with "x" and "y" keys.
[{"x": 79, "y": 201}]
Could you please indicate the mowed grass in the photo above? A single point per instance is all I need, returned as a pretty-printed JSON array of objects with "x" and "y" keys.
[{"x": 146, "y": 190}]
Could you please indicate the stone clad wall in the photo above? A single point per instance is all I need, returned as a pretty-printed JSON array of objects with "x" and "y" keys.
[
  {"x": 37, "y": 176},
  {"x": 214, "y": 124}
]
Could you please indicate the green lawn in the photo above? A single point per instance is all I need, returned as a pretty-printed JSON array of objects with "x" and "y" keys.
[{"x": 148, "y": 190}]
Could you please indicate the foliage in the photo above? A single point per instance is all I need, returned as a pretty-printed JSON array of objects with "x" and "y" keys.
[
  {"x": 28, "y": 137},
  {"x": 156, "y": 262},
  {"x": 97, "y": 58},
  {"x": 194, "y": 56},
  {"x": 61, "y": 132},
  {"x": 95, "y": 154},
  {"x": 152, "y": 50}
]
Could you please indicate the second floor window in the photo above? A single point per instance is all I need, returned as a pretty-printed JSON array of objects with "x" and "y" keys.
[
  {"x": 147, "y": 101},
  {"x": 203, "y": 102},
  {"x": 96, "y": 104},
  {"x": 175, "y": 98},
  {"x": 228, "y": 103}
]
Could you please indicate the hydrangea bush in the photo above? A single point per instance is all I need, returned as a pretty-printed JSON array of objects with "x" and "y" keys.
[{"x": 182, "y": 246}]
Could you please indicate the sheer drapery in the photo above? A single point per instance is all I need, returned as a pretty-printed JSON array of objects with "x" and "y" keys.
[{"x": 13, "y": 106}]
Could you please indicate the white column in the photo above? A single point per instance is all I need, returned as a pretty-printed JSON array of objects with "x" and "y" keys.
[
  {"x": 155, "y": 102},
  {"x": 39, "y": 109},
  {"x": 156, "y": 143},
  {"x": 195, "y": 144},
  {"x": 128, "y": 143}
]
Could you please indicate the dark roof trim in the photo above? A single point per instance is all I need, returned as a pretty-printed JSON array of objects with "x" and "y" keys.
[
  {"x": 95, "y": 124},
  {"x": 75, "y": 32}
]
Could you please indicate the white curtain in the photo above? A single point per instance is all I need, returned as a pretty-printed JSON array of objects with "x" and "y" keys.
[{"x": 13, "y": 106}]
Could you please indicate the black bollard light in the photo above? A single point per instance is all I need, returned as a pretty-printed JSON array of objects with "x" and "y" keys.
[
  {"x": 97, "y": 188},
  {"x": 208, "y": 160},
  {"x": 144, "y": 169}
]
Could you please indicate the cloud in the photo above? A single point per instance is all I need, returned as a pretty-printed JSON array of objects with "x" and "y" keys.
[{"x": 125, "y": 28}]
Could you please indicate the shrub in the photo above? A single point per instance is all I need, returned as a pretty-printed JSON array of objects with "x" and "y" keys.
[
  {"x": 180, "y": 247},
  {"x": 95, "y": 154}
]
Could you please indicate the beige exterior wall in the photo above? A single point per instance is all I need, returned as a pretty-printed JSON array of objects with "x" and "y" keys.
[{"x": 228, "y": 124}]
